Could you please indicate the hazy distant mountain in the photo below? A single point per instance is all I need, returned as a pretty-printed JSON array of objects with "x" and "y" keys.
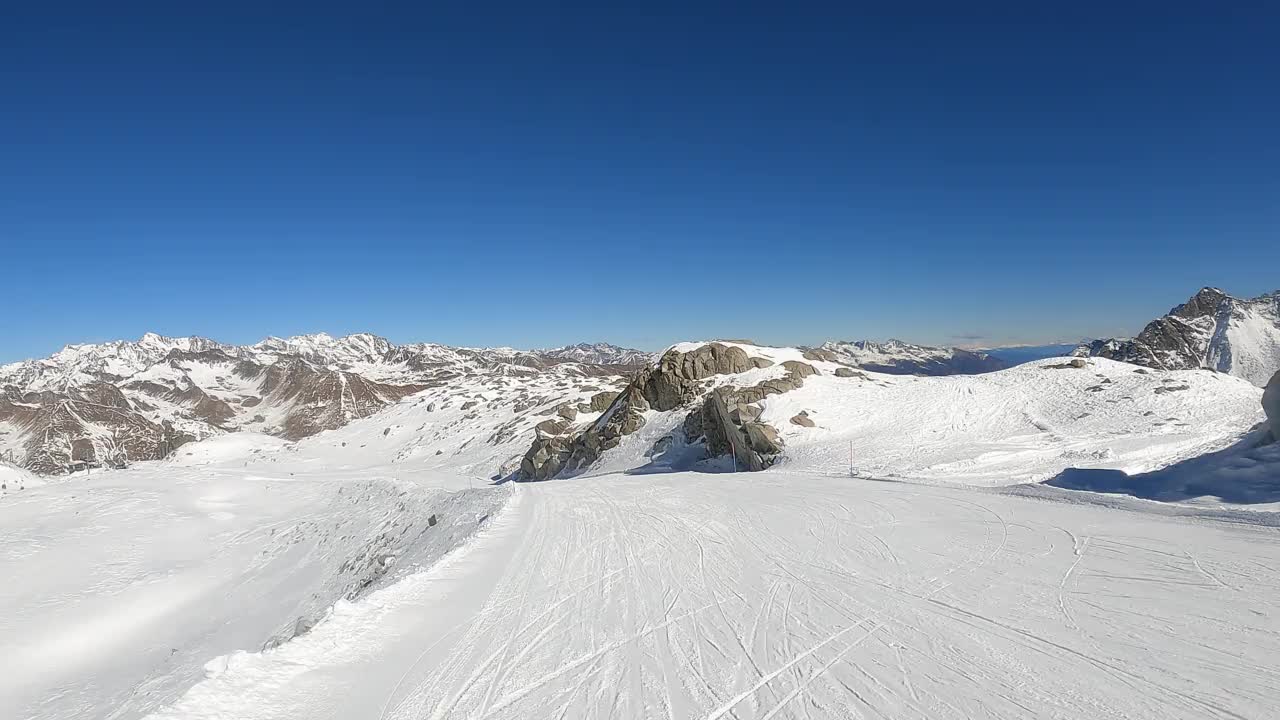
[
  {"x": 901, "y": 358},
  {"x": 1018, "y": 354}
]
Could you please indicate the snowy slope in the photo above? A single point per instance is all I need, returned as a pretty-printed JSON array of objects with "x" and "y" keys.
[
  {"x": 131, "y": 581},
  {"x": 796, "y": 596},
  {"x": 1024, "y": 424},
  {"x": 250, "y": 577}
]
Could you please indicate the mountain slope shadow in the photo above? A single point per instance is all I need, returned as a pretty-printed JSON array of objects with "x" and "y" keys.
[{"x": 1246, "y": 473}]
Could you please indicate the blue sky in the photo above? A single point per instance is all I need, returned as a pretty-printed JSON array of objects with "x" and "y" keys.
[{"x": 513, "y": 175}]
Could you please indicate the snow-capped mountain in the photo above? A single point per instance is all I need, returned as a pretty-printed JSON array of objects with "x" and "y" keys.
[
  {"x": 1211, "y": 330},
  {"x": 599, "y": 354},
  {"x": 896, "y": 357},
  {"x": 114, "y": 402}
]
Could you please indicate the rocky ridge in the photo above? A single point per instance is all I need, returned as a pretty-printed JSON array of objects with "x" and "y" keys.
[
  {"x": 721, "y": 418},
  {"x": 1212, "y": 330}
]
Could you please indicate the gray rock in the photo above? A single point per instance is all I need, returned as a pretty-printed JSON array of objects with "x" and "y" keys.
[
  {"x": 802, "y": 420},
  {"x": 763, "y": 438},
  {"x": 799, "y": 370},
  {"x": 1271, "y": 404},
  {"x": 663, "y": 444},
  {"x": 551, "y": 427},
  {"x": 761, "y": 363},
  {"x": 602, "y": 400},
  {"x": 743, "y": 413},
  {"x": 1077, "y": 362},
  {"x": 568, "y": 412},
  {"x": 845, "y": 372}
]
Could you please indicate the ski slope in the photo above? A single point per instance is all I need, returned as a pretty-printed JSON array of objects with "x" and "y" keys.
[
  {"x": 251, "y": 578},
  {"x": 796, "y": 596}
]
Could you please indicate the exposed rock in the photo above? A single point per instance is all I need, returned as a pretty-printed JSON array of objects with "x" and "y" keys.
[
  {"x": 551, "y": 427},
  {"x": 743, "y": 413},
  {"x": 820, "y": 355},
  {"x": 566, "y": 411},
  {"x": 802, "y": 420},
  {"x": 798, "y": 369},
  {"x": 1077, "y": 362},
  {"x": 844, "y": 372},
  {"x": 601, "y": 401},
  {"x": 545, "y": 458},
  {"x": 671, "y": 384},
  {"x": 763, "y": 438},
  {"x": 1199, "y": 333},
  {"x": 727, "y": 417},
  {"x": 663, "y": 444},
  {"x": 1271, "y": 404},
  {"x": 761, "y": 363}
]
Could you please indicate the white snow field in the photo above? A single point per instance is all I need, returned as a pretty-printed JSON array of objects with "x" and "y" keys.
[{"x": 247, "y": 578}]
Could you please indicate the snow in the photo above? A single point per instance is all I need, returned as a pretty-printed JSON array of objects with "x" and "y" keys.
[
  {"x": 780, "y": 595},
  {"x": 15, "y": 478},
  {"x": 226, "y": 449},
  {"x": 1018, "y": 425},
  {"x": 127, "y": 583},
  {"x": 250, "y": 578}
]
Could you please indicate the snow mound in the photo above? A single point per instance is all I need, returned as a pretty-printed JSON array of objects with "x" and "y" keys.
[
  {"x": 15, "y": 478},
  {"x": 226, "y": 449},
  {"x": 1245, "y": 474}
]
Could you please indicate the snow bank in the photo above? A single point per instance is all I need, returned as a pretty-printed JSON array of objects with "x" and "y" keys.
[
  {"x": 14, "y": 478},
  {"x": 226, "y": 449}
]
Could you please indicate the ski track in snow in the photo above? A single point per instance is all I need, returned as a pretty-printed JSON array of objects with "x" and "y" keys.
[{"x": 794, "y": 596}]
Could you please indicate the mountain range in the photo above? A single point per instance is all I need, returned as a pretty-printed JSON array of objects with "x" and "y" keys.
[
  {"x": 111, "y": 403},
  {"x": 116, "y": 402}
]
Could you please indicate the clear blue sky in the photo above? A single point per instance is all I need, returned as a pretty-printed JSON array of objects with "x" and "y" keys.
[{"x": 535, "y": 175}]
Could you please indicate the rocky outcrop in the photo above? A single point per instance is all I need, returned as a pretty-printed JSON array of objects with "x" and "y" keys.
[
  {"x": 678, "y": 380},
  {"x": 729, "y": 420},
  {"x": 1271, "y": 405},
  {"x": 601, "y": 401}
]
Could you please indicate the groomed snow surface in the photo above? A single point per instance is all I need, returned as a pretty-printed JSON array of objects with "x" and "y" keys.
[{"x": 246, "y": 578}]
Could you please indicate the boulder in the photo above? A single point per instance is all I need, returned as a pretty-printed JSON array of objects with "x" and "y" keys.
[
  {"x": 566, "y": 411},
  {"x": 845, "y": 372},
  {"x": 761, "y": 363},
  {"x": 551, "y": 427},
  {"x": 1077, "y": 362},
  {"x": 545, "y": 458},
  {"x": 799, "y": 370},
  {"x": 763, "y": 438},
  {"x": 803, "y": 420},
  {"x": 602, "y": 400}
]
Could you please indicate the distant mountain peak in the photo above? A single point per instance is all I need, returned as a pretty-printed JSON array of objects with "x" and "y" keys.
[
  {"x": 1212, "y": 330},
  {"x": 899, "y": 357}
]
